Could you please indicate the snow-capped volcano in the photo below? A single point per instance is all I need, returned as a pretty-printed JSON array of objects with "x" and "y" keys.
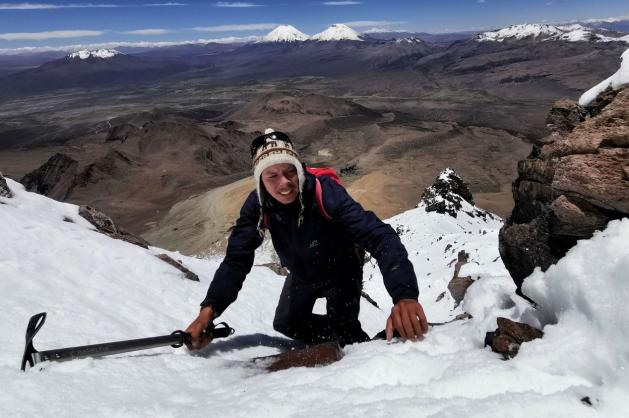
[
  {"x": 337, "y": 32},
  {"x": 285, "y": 33},
  {"x": 99, "y": 53},
  {"x": 571, "y": 33}
]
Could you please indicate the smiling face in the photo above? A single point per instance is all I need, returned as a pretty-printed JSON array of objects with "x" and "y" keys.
[{"x": 282, "y": 182}]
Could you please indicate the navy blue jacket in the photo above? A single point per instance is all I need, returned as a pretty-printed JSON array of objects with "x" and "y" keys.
[{"x": 318, "y": 249}]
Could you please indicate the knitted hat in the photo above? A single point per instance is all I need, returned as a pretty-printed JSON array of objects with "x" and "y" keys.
[{"x": 270, "y": 149}]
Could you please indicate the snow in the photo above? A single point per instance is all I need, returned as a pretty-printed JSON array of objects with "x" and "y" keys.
[
  {"x": 96, "y": 289},
  {"x": 411, "y": 40},
  {"x": 619, "y": 79},
  {"x": 337, "y": 32},
  {"x": 285, "y": 33},
  {"x": 99, "y": 53},
  {"x": 570, "y": 33}
]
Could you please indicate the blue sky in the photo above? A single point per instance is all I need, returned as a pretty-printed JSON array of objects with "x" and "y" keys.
[{"x": 56, "y": 23}]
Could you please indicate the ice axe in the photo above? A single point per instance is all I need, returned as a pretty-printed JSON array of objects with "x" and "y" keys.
[{"x": 175, "y": 339}]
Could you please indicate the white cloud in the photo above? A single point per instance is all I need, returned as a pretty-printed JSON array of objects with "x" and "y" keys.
[
  {"x": 381, "y": 30},
  {"x": 606, "y": 20},
  {"x": 481, "y": 1},
  {"x": 56, "y": 34},
  {"x": 235, "y": 4},
  {"x": 149, "y": 32},
  {"x": 367, "y": 23},
  {"x": 236, "y": 28},
  {"x": 341, "y": 3},
  {"x": 35, "y": 6},
  {"x": 141, "y": 44}
]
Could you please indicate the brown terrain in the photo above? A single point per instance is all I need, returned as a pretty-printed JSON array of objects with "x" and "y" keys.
[{"x": 169, "y": 160}]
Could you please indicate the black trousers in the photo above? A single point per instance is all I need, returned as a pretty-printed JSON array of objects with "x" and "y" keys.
[{"x": 294, "y": 317}]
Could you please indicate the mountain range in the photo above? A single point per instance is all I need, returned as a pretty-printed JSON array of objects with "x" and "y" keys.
[{"x": 286, "y": 52}]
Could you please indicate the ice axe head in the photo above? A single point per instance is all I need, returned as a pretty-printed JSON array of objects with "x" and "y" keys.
[{"x": 30, "y": 353}]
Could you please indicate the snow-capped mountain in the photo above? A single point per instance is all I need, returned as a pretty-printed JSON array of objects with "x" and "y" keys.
[
  {"x": 410, "y": 40},
  {"x": 99, "y": 53},
  {"x": 544, "y": 32},
  {"x": 337, "y": 32},
  {"x": 96, "y": 289},
  {"x": 285, "y": 33},
  {"x": 572, "y": 33}
]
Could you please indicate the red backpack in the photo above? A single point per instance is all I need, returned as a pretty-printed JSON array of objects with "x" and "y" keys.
[{"x": 322, "y": 172}]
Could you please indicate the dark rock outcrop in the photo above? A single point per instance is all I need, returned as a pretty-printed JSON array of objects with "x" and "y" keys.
[
  {"x": 179, "y": 266},
  {"x": 106, "y": 225},
  {"x": 4, "y": 188},
  {"x": 446, "y": 196},
  {"x": 55, "y": 178},
  {"x": 574, "y": 182},
  {"x": 509, "y": 336}
]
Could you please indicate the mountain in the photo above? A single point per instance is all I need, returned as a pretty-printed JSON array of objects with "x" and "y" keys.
[
  {"x": 285, "y": 33},
  {"x": 543, "y": 32},
  {"x": 616, "y": 25},
  {"x": 96, "y": 289},
  {"x": 88, "y": 69},
  {"x": 85, "y": 54},
  {"x": 337, "y": 32}
]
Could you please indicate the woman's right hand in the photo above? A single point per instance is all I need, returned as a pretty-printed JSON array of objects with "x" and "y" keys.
[{"x": 196, "y": 328}]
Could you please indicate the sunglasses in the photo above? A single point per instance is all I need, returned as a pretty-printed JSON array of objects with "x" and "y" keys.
[{"x": 263, "y": 139}]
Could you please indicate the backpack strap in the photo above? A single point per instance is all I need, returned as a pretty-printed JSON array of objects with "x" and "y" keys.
[{"x": 319, "y": 198}]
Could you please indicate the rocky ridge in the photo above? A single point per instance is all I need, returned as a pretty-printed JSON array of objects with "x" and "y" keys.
[
  {"x": 573, "y": 183},
  {"x": 446, "y": 195}
]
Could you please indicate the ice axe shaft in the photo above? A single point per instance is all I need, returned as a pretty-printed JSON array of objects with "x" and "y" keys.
[{"x": 176, "y": 339}]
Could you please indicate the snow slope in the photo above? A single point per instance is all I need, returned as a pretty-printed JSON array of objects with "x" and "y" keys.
[
  {"x": 96, "y": 289},
  {"x": 619, "y": 79},
  {"x": 285, "y": 33},
  {"x": 337, "y": 32}
]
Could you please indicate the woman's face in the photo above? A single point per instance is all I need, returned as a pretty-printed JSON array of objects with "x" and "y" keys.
[{"x": 282, "y": 182}]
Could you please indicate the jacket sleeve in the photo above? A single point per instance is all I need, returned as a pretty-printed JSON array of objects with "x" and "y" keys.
[
  {"x": 238, "y": 260},
  {"x": 375, "y": 236}
]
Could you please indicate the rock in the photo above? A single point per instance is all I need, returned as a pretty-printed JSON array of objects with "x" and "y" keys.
[
  {"x": 446, "y": 193},
  {"x": 602, "y": 100},
  {"x": 457, "y": 288},
  {"x": 177, "y": 264},
  {"x": 569, "y": 186},
  {"x": 4, "y": 188},
  {"x": 462, "y": 258},
  {"x": 313, "y": 356},
  {"x": 458, "y": 285},
  {"x": 565, "y": 115},
  {"x": 106, "y": 225},
  {"x": 506, "y": 340},
  {"x": 55, "y": 178}
]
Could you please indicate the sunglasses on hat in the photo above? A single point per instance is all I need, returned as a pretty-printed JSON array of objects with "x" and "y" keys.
[{"x": 263, "y": 139}]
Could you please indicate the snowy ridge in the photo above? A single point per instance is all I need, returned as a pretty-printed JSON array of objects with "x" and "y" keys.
[
  {"x": 99, "y": 53},
  {"x": 411, "y": 40},
  {"x": 96, "y": 289},
  {"x": 337, "y": 32},
  {"x": 618, "y": 80},
  {"x": 285, "y": 33},
  {"x": 570, "y": 33}
]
